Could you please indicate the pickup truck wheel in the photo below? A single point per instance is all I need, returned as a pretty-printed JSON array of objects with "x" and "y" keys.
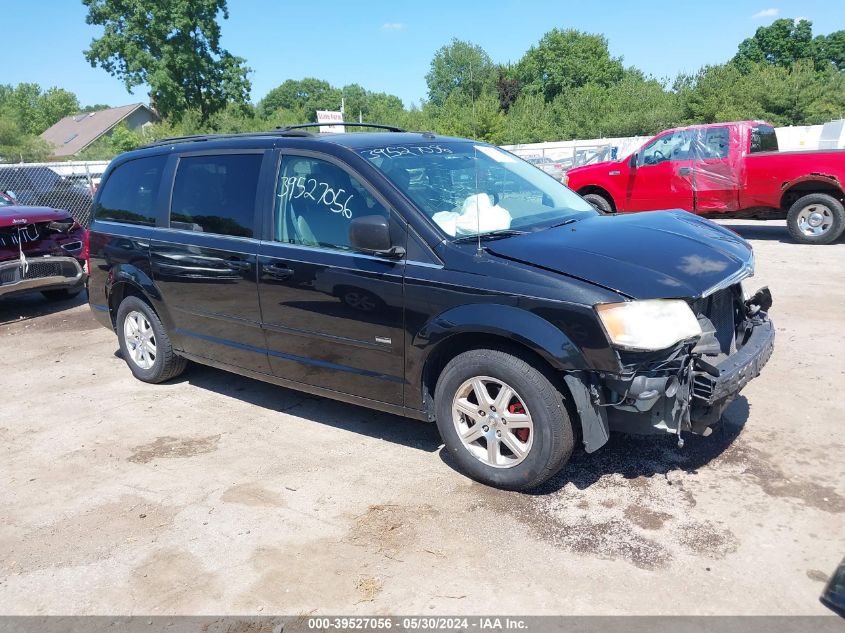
[
  {"x": 144, "y": 343},
  {"x": 599, "y": 202},
  {"x": 816, "y": 218},
  {"x": 502, "y": 420}
]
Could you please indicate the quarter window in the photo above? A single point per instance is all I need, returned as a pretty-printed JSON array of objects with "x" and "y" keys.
[
  {"x": 216, "y": 194},
  {"x": 763, "y": 139},
  {"x": 130, "y": 192},
  {"x": 315, "y": 202}
]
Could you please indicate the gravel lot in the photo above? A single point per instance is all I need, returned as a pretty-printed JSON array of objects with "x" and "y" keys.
[{"x": 219, "y": 494}]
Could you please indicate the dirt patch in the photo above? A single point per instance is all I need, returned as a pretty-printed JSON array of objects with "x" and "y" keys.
[
  {"x": 646, "y": 518},
  {"x": 252, "y": 495},
  {"x": 388, "y": 528},
  {"x": 169, "y": 447},
  {"x": 95, "y": 534},
  {"x": 368, "y": 588},
  {"x": 707, "y": 538},
  {"x": 817, "y": 575},
  {"x": 172, "y": 579},
  {"x": 762, "y": 468},
  {"x": 295, "y": 575}
]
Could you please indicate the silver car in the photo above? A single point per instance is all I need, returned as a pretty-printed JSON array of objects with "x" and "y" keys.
[{"x": 555, "y": 169}]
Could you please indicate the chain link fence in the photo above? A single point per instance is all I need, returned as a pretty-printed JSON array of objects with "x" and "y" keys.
[{"x": 68, "y": 186}]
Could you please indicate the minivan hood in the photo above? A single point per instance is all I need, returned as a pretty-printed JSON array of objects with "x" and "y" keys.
[{"x": 652, "y": 255}]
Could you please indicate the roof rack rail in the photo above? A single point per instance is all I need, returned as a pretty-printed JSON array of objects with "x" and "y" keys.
[
  {"x": 380, "y": 126},
  {"x": 214, "y": 137}
]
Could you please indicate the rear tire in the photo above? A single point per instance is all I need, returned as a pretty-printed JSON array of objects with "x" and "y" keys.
[
  {"x": 144, "y": 343},
  {"x": 601, "y": 203},
  {"x": 537, "y": 425},
  {"x": 816, "y": 218}
]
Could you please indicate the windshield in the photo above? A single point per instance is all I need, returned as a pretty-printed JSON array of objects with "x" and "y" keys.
[{"x": 470, "y": 188}]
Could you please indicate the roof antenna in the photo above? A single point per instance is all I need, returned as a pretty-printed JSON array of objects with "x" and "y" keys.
[{"x": 477, "y": 207}]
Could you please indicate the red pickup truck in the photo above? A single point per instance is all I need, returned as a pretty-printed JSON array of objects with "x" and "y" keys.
[{"x": 725, "y": 170}]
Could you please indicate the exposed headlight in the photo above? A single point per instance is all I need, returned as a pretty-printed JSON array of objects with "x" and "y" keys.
[
  {"x": 564, "y": 178},
  {"x": 652, "y": 324}
]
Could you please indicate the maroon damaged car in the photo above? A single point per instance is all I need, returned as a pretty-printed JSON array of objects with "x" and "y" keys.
[{"x": 41, "y": 249}]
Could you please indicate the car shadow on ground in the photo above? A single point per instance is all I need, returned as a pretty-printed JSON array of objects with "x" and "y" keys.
[
  {"x": 767, "y": 232},
  {"x": 629, "y": 455},
  {"x": 340, "y": 415},
  {"x": 634, "y": 456},
  {"x": 33, "y": 304}
]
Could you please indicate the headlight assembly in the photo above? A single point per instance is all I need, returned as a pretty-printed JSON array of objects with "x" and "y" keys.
[{"x": 649, "y": 325}]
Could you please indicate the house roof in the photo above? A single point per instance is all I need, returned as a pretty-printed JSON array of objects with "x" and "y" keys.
[{"x": 74, "y": 133}]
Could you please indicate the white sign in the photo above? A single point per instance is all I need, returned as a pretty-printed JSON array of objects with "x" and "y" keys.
[{"x": 331, "y": 116}]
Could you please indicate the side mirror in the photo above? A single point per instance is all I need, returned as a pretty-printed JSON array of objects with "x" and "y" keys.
[
  {"x": 371, "y": 234},
  {"x": 633, "y": 161}
]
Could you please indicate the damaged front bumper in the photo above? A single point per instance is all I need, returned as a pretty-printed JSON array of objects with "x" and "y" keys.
[
  {"x": 683, "y": 389},
  {"x": 40, "y": 273}
]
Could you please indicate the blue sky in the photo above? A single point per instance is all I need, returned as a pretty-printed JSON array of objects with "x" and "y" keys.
[{"x": 387, "y": 45}]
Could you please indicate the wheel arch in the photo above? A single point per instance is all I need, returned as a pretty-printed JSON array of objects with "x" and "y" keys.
[
  {"x": 601, "y": 191},
  {"x": 128, "y": 280},
  {"x": 534, "y": 339},
  {"x": 815, "y": 183}
]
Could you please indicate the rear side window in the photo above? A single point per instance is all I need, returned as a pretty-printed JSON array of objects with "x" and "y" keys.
[
  {"x": 763, "y": 139},
  {"x": 216, "y": 194},
  {"x": 714, "y": 143},
  {"x": 130, "y": 192}
]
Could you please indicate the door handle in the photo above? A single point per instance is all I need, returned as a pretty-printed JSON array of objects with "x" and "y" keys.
[
  {"x": 278, "y": 271},
  {"x": 684, "y": 171},
  {"x": 238, "y": 265}
]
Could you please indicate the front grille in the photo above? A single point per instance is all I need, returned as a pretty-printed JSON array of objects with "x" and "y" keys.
[{"x": 37, "y": 270}]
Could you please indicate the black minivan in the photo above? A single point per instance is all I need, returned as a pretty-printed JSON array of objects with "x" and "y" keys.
[{"x": 438, "y": 278}]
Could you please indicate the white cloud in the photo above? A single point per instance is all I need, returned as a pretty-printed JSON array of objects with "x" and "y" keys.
[
  {"x": 392, "y": 26},
  {"x": 766, "y": 13}
]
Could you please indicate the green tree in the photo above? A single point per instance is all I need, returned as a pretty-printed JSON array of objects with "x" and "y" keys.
[
  {"x": 567, "y": 59},
  {"x": 121, "y": 139},
  {"x": 307, "y": 95},
  {"x": 173, "y": 46},
  {"x": 830, "y": 50},
  {"x": 462, "y": 68},
  {"x": 18, "y": 146},
  {"x": 782, "y": 43},
  {"x": 32, "y": 110}
]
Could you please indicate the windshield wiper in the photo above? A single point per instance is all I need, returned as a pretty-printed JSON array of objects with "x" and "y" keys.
[
  {"x": 490, "y": 235},
  {"x": 564, "y": 223}
]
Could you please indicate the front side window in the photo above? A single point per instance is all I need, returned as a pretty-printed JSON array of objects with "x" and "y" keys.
[
  {"x": 216, "y": 194},
  {"x": 469, "y": 189},
  {"x": 315, "y": 202},
  {"x": 130, "y": 192},
  {"x": 672, "y": 146},
  {"x": 763, "y": 139}
]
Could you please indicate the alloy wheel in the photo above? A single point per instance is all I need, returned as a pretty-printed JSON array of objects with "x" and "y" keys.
[
  {"x": 492, "y": 422},
  {"x": 140, "y": 339}
]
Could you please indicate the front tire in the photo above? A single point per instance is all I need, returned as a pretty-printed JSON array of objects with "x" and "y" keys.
[
  {"x": 601, "y": 203},
  {"x": 144, "y": 343},
  {"x": 816, "y": 218},
  {"x": 502, "y": 419}
]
